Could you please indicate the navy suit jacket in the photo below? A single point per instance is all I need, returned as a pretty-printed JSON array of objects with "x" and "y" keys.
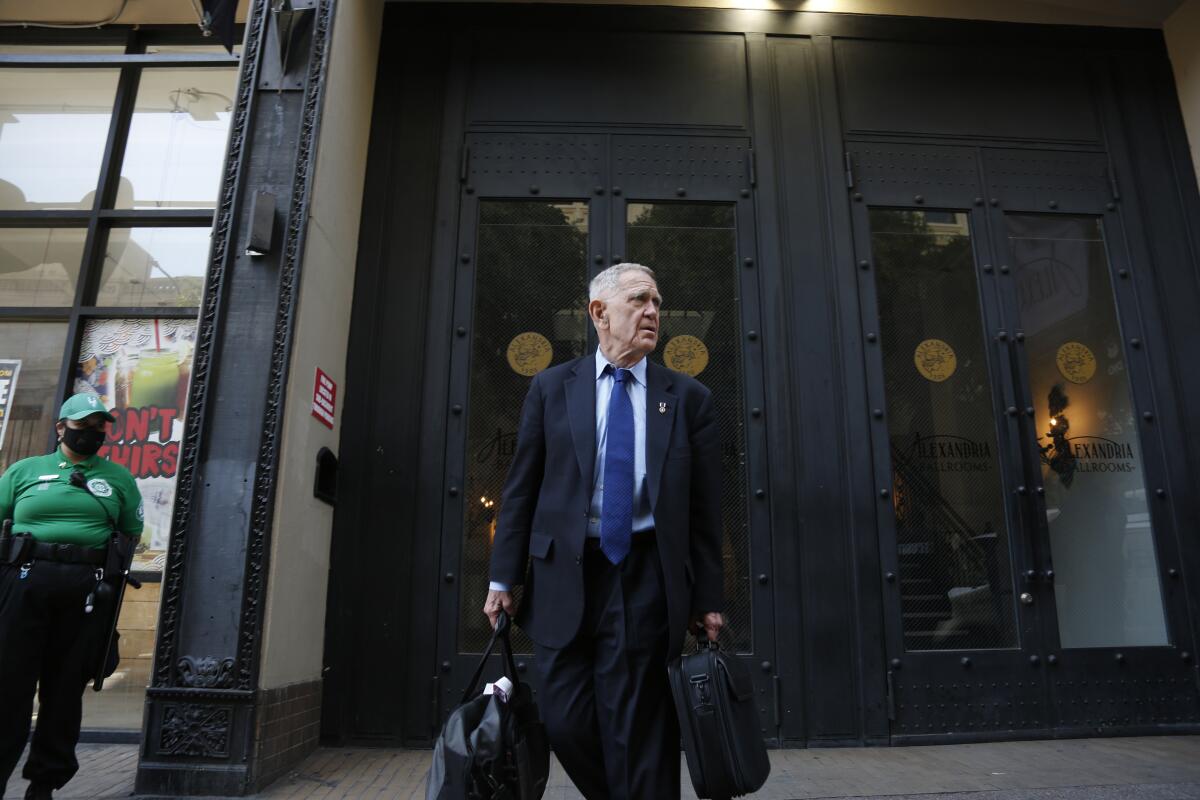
[{"x": 543, "y": 518}]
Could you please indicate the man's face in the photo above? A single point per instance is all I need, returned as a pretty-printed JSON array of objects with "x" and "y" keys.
[{"x": 627, "y": 320}]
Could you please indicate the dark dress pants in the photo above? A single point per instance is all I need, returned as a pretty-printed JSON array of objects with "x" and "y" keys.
[
  {"x": 47, "y": 642},
  {"x": 605, "y": 699}
]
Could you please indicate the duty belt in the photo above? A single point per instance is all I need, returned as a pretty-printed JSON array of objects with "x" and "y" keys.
[{"x": 23, "y": 548}]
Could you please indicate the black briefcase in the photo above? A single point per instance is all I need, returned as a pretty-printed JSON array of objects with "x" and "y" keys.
[
  {"x": 718, "y": 719},
  {"x": 491, "y": 747}
]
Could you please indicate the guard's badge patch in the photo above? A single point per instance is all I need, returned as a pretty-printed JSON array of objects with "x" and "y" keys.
[
  {"x": 100, "y": 487},
  {"x": 141, "y": 512}
]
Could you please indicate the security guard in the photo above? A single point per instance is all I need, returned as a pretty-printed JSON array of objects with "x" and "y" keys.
[{"x": 64, "y": 507}]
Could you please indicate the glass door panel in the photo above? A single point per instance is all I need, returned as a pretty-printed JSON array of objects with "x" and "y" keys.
[
  {"x": 528, "y": 310},
  {"x": 1106, "y": 585},
  {"x": 692, "y": 248},
  {"x": 952, "y": 535}
]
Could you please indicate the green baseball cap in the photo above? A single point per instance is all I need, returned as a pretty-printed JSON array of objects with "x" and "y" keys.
[{"x": 83, "y": 405}]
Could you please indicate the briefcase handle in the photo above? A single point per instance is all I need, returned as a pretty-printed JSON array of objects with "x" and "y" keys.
[{"x": 501, "y": 635}]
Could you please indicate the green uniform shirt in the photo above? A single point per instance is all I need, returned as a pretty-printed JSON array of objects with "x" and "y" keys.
[{"x": 36, "y": 494}]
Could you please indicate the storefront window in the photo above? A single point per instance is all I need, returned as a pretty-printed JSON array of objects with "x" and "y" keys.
[
  {"x": 164, "y": 130},
  {"x": 30, "y": 357},
  {"x": 40, "y": 266},
  {"x": 154, "y": 267},
  {"x": 178, "y": 112},
  {"x": 53, "y": 128}
]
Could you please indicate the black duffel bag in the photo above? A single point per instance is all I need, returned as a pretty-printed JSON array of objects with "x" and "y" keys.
[
  {"x": 718, "y": 720},
  {"x": 492, "y": 748}
]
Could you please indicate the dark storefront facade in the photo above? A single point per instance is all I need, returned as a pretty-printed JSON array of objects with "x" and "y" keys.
[{"x": 933, "y": 274}]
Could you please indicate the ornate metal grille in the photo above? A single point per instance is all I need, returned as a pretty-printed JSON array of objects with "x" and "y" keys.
[
  {"x": 529, "y": 313},
  {"x": 951, "y": 531},
  {"x": 692, "y": 248}
]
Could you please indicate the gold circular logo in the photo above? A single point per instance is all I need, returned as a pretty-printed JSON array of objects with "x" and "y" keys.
[
  {"x": 686, "y": 354},
  {"x": 1076, "y": 362},
  {"x": 529, "y": 353},
  {"x": 935, "y": 360}
]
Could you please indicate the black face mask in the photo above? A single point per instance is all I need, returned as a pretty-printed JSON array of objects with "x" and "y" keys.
[{"x": 85, "y": 441}]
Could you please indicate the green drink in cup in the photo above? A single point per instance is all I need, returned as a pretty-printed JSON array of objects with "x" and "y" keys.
[{"x": 156, "y": 379}]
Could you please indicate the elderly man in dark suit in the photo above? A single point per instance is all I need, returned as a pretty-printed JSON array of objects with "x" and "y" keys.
[{"x": 613, "y": 502}]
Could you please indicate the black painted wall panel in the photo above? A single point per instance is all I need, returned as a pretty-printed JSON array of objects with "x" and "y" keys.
[
  {"x": 955, "y": 90},
  {"x": 374, "y": 574},
  {"x": 609, "y": 79}
]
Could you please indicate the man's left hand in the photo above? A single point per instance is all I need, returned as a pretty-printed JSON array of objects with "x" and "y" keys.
[{"x": 710, "y": 624}]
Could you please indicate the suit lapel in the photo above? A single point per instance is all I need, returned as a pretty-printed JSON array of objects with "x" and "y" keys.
[
  {"x": 660, "y": 417},
  {"x": 581, "y": 413}
]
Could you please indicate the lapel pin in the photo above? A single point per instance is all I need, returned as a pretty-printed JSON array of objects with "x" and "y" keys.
[{"x": 662, "y": 408}]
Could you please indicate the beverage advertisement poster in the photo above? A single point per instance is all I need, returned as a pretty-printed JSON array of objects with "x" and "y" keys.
[
  {"x": 9, "y": 370},
  {"x": 141, "y": 369}
]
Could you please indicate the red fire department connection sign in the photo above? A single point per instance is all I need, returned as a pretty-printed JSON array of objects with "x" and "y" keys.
[{"x": 324, "y": 396}]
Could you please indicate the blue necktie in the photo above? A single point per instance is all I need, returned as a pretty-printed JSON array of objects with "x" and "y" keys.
[{"x": 616, "y": 515}]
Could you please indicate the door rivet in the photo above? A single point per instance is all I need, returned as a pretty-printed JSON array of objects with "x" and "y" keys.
[
  {"x": 1119, "y": 657},
  {"x": 598, "y": 258},
  {"x": 766, "y": 666},
  {"x": 1034, "y": 660},
  {"x": 616, "y": 190},
  {"x": 454, "y": 491},
  {"x": 918, "y": 198},
  {"x": 1026, "y": 598},
  {"x": 1002, "y": 336},
  {"x": 465, "y": 258},
  {"x": 884, "y": 493},
  {"x": 1148, "y": 416},
  {"x": 1053, "y": 204},
  {"x": 470, "y": 189},
  {"x": 864, "y": 264},
  {"x": 1135, "y": 342},
  {"x": 1123, "y": 273},
  {"x": 756, "y": 412},
  {"x": 744, "y": 192},
  {"x": 1173, "y": 573},
  {"x": 1041, "y": 490},
  {"x": 760, "y": 493},
  {"x": 1052, "y": 660},
  {"x": 890, "y": 577},
  {"x": 877, "y": 413},
  {"x": 617, "y": 258},
  {"x": 461, "y": 331},
  {"x": 1160, "y": 493},
  {"x": 858, "y": 197},
  {"x": 987, "y": 268},
  {"x": 752, "y": 335},
  {"x": 895, "y": 663},
  {"x": 599, "y": 190},
  {"x": 1011, "y": 411},
  {"x": 521, "y": 666},
  {"x": 1185, "y": 655},
  {"x": 994, "y": 201},
  {"x": 978, "y": 201},
  {"x": 1029, "y": 411},
  {"x": 681, "y": 192},
  {"x": 1111, "y": 206},
  {"x": 1004, "y": 269},
  {"x": 534, "y": 189},
  {"x": 1021, "y": 490},
  {"x": 445, "y": 666},
  {"x": 749, "y": 262},
  {"x": 966, "y": 662},
  {"x": 871, "y": 337},
  {"x": 449, "y": 577},
  {"x": 456, "y": 408},
  {"x": 762, "y": 579}
]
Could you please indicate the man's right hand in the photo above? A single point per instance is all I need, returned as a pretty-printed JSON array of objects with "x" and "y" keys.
[{"x": 496, "y": 601}]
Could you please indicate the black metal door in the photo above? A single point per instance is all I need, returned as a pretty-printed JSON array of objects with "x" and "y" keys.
[
  {"x": 960, "y": 640},
  {"x": 1116, "y": 642},
  {"x": 540, "y": 215},
  {"x": 1028, "y": 563}
]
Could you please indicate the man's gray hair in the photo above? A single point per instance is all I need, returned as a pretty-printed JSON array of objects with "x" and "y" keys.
[{"x": 604, "y": 284}]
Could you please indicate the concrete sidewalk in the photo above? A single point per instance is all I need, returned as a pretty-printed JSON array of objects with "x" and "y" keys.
[{"x": 1153, "y": 768}]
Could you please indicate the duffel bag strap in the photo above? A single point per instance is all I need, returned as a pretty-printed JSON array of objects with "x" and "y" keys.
[{"x": 510, "y": 668}]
